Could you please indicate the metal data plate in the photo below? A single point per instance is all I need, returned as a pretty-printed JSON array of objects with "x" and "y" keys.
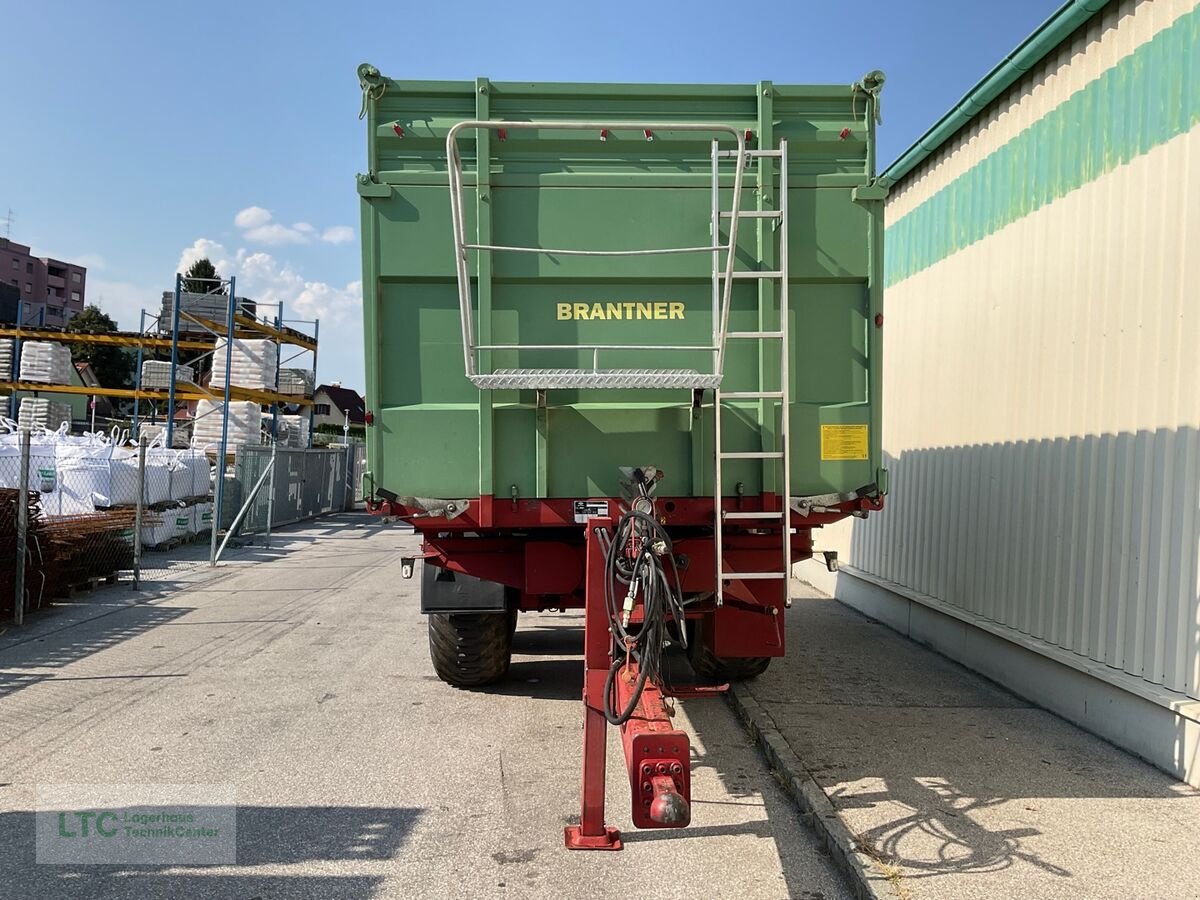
[
  {"x": 590, "y": 509},
  {"x": 546, "y": 379}
]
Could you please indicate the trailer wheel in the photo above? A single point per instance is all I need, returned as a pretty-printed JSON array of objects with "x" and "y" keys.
[
  {"x": 707, "y": 664},
  {"x": 471, "y": 649}
]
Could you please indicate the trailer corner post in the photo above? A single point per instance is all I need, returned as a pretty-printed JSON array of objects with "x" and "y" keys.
[
  {"x": 22, "y": 529},
  {"x": 591, "y": 833}
]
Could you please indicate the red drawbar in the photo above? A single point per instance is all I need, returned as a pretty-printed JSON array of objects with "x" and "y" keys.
[{"x": 657, "y": 756}]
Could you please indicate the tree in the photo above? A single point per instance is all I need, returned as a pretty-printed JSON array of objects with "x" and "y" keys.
[
  {"x": 202, "y": 269},
  {"x": 112, "y": 365}
]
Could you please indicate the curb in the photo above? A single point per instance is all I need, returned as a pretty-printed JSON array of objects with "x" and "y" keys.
[{"x": 868, "y": 882}]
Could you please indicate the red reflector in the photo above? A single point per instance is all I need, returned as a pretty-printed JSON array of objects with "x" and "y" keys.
[
  {"x": 749, "y": 135},
  {"x": 369, "y": 417},
  {"x": 844, "y": 133},
  {"x": 399, "y": 131},
  {"x": 604, "y": 134},
  {"x": 502, "y": 133},
  {"x": 648, "y": 133},
  {"x": 878, "y": 320}
]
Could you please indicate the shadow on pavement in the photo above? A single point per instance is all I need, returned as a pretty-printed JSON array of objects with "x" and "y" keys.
[{"x": 940, "y": 772}]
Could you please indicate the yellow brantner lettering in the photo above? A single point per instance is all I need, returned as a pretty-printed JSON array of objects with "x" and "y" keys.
[{"x": 620, "y": 309}]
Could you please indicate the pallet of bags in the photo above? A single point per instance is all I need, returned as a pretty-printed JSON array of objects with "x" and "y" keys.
[
  {"x": 294, "y": 430},
  {"x": 83, "y": 467},
  {"x": 40, "y": 412},
  {"x": 245, "y": 424},
  {"x": 213, "y": 307},
  {"x": 156, "y": 374},
  {"x": 166, "y": 525},
  {"x": 6, "y": 359},
  {"x": 45, "y": 362},
  {"x": 296, "y": 382},
  {"x": 252, "y": 364},
  {"x": 191, "y": 475},
  {"x": 43, "y": 475},
  {"x": 202, "y": 517}
]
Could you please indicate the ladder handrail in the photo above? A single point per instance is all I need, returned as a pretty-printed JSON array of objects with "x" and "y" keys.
[{"x": 458, "y": 219}]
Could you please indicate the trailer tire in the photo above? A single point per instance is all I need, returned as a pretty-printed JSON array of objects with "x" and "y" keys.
[
  {"x": 471, "y": 649},
  {"x": 707, "y": 664}
]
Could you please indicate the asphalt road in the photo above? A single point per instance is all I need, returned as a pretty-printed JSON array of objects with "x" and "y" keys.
[{"x": 300, "y": 676}]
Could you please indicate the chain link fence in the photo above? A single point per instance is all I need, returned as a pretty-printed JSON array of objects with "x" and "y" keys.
[{"x": 83, "y": 510}]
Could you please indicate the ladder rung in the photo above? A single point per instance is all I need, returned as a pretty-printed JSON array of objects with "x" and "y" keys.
[
  {"x": 753, "y": 515},
  {"x": 751, "y": 154},
  {"x": 753, "y": 214},
  {"x": 759, "y": 273},
  {"x": 752, "y": 454},
  {"x": 752, "y": 395},
  {"x": 752, "y": 576},
  {"x": 753, "y": 334}
]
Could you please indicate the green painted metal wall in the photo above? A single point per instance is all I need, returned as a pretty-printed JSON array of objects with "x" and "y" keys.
[{"x": 435, "y": 435}]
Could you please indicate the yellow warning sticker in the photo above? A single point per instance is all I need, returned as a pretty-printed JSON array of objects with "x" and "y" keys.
[{"x": 843, "y": 442}]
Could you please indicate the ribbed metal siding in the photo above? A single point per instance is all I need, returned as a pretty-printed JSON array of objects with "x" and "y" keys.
[{"x": 1042, "y": 387}]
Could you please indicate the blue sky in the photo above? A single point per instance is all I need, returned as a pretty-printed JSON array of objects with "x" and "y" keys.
[{"x": 140, "y": 134}]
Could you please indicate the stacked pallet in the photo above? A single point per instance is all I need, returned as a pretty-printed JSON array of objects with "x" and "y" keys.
[
  {"x": 293, "y": 431},
  {"x": 46, "y": 362},
  {"x": 296, "y": 382},
  {"x": 252, "y": 364},
  {"x": 6, "y": 359},
  {"x": 213, "y": 307},
  {"x": 157, "y": 374},
  {"x": 38, "y": 412},
  {"x": 245, "y": 424}
]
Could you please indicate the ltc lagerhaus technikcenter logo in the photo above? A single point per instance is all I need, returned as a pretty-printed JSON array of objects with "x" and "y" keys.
[{"x": 147, "y": 824}]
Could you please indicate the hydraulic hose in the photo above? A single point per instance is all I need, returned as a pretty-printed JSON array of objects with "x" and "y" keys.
[{"x": 643, "y": 573}]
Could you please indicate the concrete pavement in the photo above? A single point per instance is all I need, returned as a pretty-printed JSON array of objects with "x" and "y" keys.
[
  {"x": 301, "y": 676},
  {"x": 955, "y": 788}
]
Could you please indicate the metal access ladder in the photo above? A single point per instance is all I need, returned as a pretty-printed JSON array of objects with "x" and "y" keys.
[{"x": 780, "y": 454}]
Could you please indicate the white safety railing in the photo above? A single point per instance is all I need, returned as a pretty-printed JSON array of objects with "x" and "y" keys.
[{"x": 595, "y": 378}]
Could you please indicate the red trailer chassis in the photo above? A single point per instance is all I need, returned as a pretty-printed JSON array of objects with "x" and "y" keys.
[{"x": 539, "y": 549}]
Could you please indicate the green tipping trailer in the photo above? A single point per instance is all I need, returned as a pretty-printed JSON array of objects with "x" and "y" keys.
[{"x": 572, "y": 301}]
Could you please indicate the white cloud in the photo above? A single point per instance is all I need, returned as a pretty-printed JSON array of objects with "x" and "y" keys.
[
  {"x": 258, "y": 226},
  {"x": 275, "y": 235},
  {"x": 264, "y": 277},
  {"x": 252, "y": 217},
  {"x": 338, "y": 234},
  {"x": 268, "y": 280}
]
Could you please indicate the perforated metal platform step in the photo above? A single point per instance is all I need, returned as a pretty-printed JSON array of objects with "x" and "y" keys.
[{"x": 616, "y": 379}]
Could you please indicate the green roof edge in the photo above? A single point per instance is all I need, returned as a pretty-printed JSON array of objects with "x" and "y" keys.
[{"x": 1061, "y": 24}]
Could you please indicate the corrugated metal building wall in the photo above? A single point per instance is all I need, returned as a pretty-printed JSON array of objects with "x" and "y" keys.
[{"x": 1042, "y": 366}]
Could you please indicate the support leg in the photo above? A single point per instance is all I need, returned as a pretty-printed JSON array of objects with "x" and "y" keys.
[{"x": 591, "y": 833}]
